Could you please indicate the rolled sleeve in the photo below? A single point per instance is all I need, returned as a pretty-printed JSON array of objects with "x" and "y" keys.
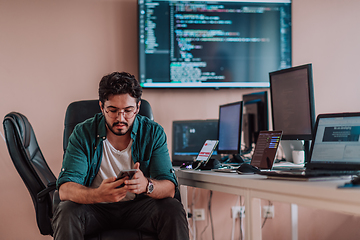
[
  {"x": 75, "y": 164},
  {"x": 161, "y": 167}
]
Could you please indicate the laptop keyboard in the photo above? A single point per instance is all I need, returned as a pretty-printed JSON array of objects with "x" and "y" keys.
[{"x": 332, "y": 172}]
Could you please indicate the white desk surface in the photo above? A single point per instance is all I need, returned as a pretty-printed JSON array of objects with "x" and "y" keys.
[{"x": 318, "y": 194}]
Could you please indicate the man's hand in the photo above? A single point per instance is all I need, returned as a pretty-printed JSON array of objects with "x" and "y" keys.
[
  {"x": 138, "y": 183},
  {"x": 108, "y": 191}
]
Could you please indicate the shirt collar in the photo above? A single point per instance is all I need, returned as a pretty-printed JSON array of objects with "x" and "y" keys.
[
  {"x": 135, "y": 126},
  {"x": 101, "y": 132}
]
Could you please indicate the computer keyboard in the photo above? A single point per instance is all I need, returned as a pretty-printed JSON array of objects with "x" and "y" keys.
[{"x": 332, "y": 172}]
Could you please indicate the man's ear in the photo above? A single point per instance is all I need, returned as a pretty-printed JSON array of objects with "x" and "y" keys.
[
  {"x": 101, "y": 106},
  {"x": 138, "y": 107}
]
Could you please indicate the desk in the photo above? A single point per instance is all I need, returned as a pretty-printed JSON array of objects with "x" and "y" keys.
[{"x": 317, "y": 194}]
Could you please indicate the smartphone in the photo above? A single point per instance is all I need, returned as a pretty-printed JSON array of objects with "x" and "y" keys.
[
  {"x": 127, "y": 172},
  {"x": 124, "y": 173}
]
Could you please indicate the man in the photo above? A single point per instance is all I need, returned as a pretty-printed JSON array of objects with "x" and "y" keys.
[{"x": 116, "y": 139}]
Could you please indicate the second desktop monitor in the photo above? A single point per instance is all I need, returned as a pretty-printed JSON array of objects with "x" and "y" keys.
[{"x": 230, "y": 127}]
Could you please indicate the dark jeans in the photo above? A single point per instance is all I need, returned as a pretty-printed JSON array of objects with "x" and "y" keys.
[{"x": 164, "y": 217}]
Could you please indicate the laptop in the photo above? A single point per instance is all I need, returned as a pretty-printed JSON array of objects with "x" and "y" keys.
[
  {"x": 188, "y": 137},
  {"x": 264, "y": 154},
  {"x": 335, "y": 149},
  {"x": 265, "y": 149}
]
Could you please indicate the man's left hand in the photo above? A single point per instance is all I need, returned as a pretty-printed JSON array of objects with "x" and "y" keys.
[{"x": 138, "y": 183}]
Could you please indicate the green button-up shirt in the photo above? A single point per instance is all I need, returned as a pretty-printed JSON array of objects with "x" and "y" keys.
[{"x": 83, "y": 156}]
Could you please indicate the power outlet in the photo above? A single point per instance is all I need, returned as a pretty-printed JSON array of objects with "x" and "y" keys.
[
  {"x": 199, "y": 214},
  {"x": 237, "y": 211},
  {"x": 268, "y": 211}
]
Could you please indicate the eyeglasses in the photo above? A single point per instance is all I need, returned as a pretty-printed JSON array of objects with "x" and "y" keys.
[{"x": 127, "y": 113}]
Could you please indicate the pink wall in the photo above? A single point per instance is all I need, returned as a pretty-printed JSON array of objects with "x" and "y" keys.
[{"x": 55, "y": 52}]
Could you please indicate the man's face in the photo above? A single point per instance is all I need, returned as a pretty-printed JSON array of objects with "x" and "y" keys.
[{"x": 120, "y": 111}]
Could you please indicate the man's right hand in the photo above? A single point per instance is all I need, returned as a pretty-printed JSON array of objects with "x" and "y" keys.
[{"x": 108, "y": 191}]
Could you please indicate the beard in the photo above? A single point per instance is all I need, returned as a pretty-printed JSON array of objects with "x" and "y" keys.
[{"x": 118, "y": 132}]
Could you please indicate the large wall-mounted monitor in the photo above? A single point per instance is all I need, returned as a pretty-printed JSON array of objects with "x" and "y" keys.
[
  {"x": 212, "y": 44},
  {"x": 255, "y": 117},
  {"x": 230, "y": 126}
]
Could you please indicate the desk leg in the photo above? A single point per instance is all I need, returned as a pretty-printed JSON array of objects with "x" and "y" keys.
[
  {"x": 184, "y": 198},
  {"x": 294, "y": 222},
  {"x": 253, "y": 218}
]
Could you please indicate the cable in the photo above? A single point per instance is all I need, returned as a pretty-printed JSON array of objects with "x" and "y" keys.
[
  {"x": 209, "y": 216},
  {"x": 264, "y": 221},
  {"x": 241, "y": 231},
  {"x": 212, "y": 225},
  {"x": 199, "y": 164},
  {"x": 241, "y": 222},
  {"x": 207, "y": 220},
  {"x": 266, "y": 217}
]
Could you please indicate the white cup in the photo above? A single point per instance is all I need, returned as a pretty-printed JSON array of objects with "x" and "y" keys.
[{"x": 298, "y": 156}]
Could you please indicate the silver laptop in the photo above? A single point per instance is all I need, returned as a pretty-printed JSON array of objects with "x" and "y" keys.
[{"x": 335, "y": 148}]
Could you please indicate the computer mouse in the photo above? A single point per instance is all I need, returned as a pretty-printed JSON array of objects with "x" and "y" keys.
[
  {"x": 247, "y": 168},
  {"x": 356, "y": 180}
]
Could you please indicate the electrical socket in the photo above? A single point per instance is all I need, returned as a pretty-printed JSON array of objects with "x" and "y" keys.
[
  {"x": 268, "y": 211},
  {"x": 237, "y": 211},
  {"x": 199, "y": 214}
]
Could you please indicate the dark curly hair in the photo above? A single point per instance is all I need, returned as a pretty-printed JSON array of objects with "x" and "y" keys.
[{"x": 119, "y": 83}]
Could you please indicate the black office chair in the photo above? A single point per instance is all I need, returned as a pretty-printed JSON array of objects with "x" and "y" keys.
[
  {"x": 78, "y": 112},
  {"x": 31, "y": 166},
  {"x": 40, "y": 180}
]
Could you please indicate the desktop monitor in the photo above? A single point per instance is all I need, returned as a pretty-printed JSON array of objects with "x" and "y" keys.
[
  {"x": 292, "y": 103},
  {"x": 255, "y": 118},
  {"x": 230, "y": 126},
  {"x": 212, "y": 44},
  {"x": 188, "y": 137}
]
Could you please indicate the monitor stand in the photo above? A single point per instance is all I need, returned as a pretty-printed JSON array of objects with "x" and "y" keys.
[
  {"x": 307, "y": 151},
  {"x": 210, "y": 164},
  {"x": 236, "y": 159}
]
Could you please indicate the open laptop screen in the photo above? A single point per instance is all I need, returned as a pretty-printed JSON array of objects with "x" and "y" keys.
[
  {"x": 337, "y": 139},
  {"x": 265, "y": 149}
]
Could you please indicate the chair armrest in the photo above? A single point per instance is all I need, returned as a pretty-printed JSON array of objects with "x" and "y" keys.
[
  {"x": 42, "y": 194},
  {"x": 56, "y": 200}
]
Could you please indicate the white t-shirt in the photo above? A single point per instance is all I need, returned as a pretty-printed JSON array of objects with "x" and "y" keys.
[{"x": 112, "y": 162}]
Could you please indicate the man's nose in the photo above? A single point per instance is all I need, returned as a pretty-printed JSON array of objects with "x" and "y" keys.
[{"x": 121, "y": 116}]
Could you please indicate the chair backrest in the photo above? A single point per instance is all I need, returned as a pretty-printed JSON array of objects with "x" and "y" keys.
[
  {"x": 31, "y": 166},
  {"x": 79, "y": 111}
]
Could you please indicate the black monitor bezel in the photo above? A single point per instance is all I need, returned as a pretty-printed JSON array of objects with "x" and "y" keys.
[
  {"x": 310, "y": 97},
  {"x": 234, "y": 85},
  {"x": 177, "y": 160},
  {"x": 251, "y": 98},
  {"x": 227, "y": 151}
]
